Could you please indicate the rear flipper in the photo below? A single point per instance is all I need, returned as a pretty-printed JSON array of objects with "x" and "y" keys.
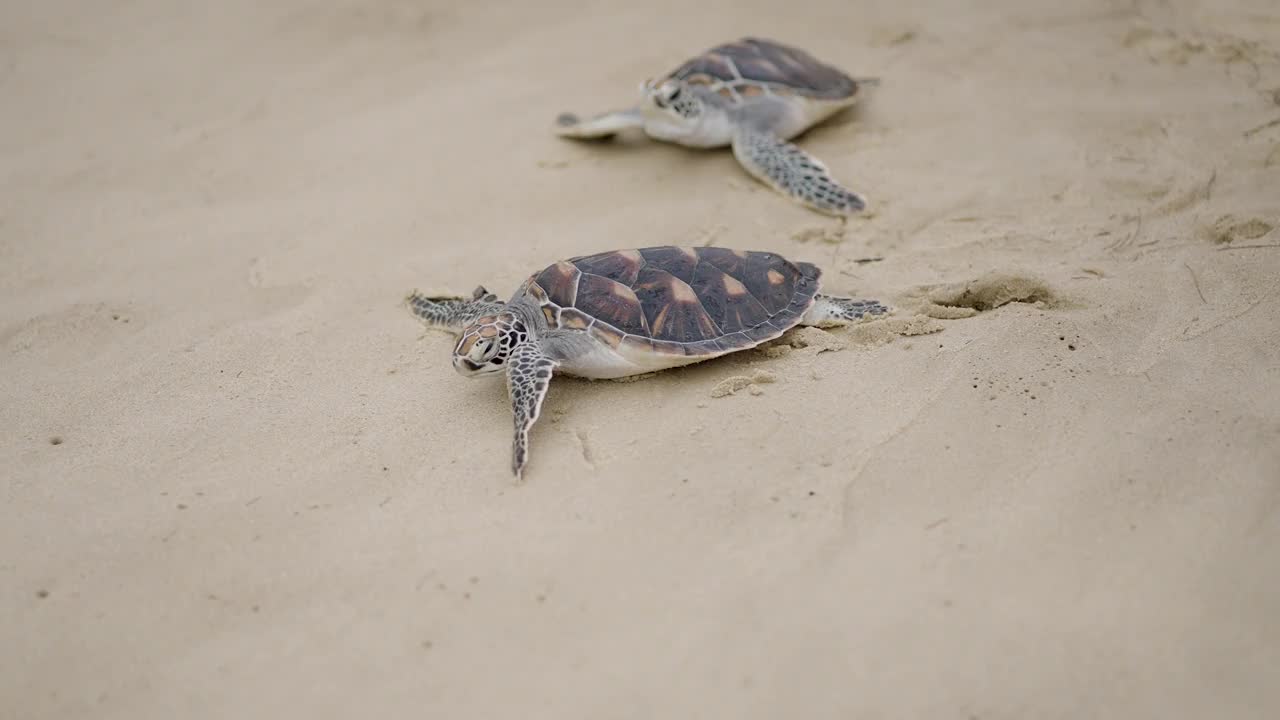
[
  {"x": 600, "y": 127},
  {"x": 828, "y": 311},
  {"x": 794, "y": 173}
]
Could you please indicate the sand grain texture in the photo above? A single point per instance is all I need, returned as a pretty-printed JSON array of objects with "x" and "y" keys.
[{"x": 240, "y": 481}]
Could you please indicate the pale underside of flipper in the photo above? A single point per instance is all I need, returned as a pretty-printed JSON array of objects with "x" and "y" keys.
[
  {"x": 794, "y": 173},
  {"x": 599, "y": 127}
]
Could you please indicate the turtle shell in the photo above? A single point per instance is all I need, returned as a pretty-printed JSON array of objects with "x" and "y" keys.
[
  {"x": 752, "y": 66},
  {"x": 690, "y": 301}
]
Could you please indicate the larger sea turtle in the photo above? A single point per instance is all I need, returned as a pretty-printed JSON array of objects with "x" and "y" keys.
[
  {"x": 752, "y": 94},
  {"x": 630, "y": 312}
]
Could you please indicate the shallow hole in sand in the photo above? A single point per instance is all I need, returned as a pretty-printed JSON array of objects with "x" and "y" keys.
[{"x": 992, "y": 291}]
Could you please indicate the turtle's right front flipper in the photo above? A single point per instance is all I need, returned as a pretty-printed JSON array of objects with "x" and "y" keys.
[
  {"x": 452, "y": 313},
  {"x": 830, "y": 311},
  {"x": 600, "y": 127}
]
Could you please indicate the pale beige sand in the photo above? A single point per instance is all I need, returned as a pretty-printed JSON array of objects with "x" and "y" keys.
[{"x": 274, "y": 498}]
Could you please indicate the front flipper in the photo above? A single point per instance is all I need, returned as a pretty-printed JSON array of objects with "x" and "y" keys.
[
  {"x": 528, "y": 377},
  {"x": 452, "y": 313},
  {"x": 795, "y": 173},
  {"x": 600, "y": 127},
  {"x": 830, "y": 311}
]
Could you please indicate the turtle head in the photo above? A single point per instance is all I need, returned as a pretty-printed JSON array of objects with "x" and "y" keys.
[
  {"x": 486, "y": 344},
  {"x": 672, "y": 107}
]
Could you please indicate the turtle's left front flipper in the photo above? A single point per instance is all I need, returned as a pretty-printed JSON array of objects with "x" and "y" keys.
[
  {"x": 794, "y": 173},
  {"x": 528, "y": 377}
]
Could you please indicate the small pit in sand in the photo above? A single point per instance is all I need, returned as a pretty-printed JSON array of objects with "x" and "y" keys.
[
  {"x": 993, "y": 290},
  {"x": 731, "y": 385}
]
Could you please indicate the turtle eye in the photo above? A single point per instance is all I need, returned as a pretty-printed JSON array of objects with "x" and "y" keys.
[
  {"x": 485, "y": 349},
  {"x": 479, "y": 350},
  {"x": 674, "y": 96}
]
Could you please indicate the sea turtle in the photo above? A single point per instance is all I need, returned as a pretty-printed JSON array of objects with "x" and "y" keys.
[
  {"x": 629, "y": 312},
  {"x": 754, "y": 95}
]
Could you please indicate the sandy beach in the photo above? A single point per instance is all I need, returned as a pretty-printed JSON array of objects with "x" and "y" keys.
[{"x": 240, "y": 480}]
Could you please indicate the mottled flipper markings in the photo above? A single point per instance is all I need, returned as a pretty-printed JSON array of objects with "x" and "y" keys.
[
  {"x": 452, "y": 313},
  {"x": 792, "y": 171},
  {"x": 828, "y": 311},
  {"x": 850, "y": 309},
  {"x": 528, "y": 378}
]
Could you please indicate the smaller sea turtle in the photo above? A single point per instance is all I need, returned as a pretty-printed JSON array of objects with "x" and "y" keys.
[
  {"x": 754, "y": 95},
  {"x": 630, "y": 312}
]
